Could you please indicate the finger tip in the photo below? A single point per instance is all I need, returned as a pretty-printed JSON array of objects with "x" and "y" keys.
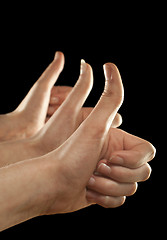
[
  {"x": 104, "y": 169},
  {"x": 110, "y": 65},
  {"x": 58, "y": 54},
  {"x": 86, "y": 71}
]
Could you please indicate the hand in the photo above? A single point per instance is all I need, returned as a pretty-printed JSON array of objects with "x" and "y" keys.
[
  {"x": 38, "y": 106},
  {"x": 30, "y": 115},
  {"x": 58, "y": 127},
  {"x": 123, "y": 164},
  {"x": 47, "y": 135},
  {"x": 56, "y": 182},
  {"x": 92, "y": 142},
  {"x": 97, "y": 185}
]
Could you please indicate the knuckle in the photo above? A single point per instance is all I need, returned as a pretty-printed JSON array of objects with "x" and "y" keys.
[
  {"x": 97, "y": 131},
  {"x": 113, "y": 202},
  {"x": 138, "y": 160},
  {"x": 132, "y": 189},
  {"x": 118, "y": 174},
  {"x": 152, "y": 151},
  {"x": 107, "y": 93},
  {"x": 113, "y": 188},
  {"x": 146, "y": 154},
  {"x": 130, "y": 175},
  {"x": 135, "y": 162},
  {"x": 117, "y": 98},
  {"x": 147, "y": 172},
  {"x": 120, "y": 201},
  {"x": 107, "y": 202}
]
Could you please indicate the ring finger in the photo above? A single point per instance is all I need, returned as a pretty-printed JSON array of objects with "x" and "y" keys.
[{"x": 103, "y": 200}]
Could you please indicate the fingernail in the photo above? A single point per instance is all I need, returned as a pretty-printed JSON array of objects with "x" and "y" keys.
[
  {"x": 82, "y": 67},
  {"x": 56, "y": 54},
  {"x": 54, "y": 100},
  {"x": 116, "y": 159},
  {"x": 104, "y": 169},
  {"x": 107, "y": 72},
  {"x": 91, "y": 181}
]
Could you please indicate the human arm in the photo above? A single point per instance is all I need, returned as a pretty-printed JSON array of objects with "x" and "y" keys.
[
  {"x": 68, "y": 169},
  {"x": 22, "y": 191},
  {"x": 23, "y": 179},
  {"x": 59, "y": 122}
]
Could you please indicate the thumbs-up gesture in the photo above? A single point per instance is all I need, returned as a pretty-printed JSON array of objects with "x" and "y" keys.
[{"x": 94, "y": 143}]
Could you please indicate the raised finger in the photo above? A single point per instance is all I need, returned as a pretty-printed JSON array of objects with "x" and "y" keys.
[
  {"x": 81, "y": 90},
  {"x": 50, "y": 75},
  {"x": 116, "y": 122},
  {"x": 110, "y": 101}
]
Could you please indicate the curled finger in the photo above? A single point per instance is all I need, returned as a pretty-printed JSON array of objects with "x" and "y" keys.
[{"x": 103, "y": 200}]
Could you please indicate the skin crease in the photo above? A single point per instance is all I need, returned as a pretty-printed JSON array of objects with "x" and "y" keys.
[{"x": 94, "y": 142}]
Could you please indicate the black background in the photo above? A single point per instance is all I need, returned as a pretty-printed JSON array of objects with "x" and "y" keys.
[{"x": 134, "y": 42}]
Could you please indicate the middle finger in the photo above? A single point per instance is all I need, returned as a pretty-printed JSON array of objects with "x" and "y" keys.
[{"x": 110, "y": 187}]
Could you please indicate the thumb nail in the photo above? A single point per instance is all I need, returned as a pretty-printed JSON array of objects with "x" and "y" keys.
[
  {"x": 82, "y": 67},
  {"x": 107, "y": 71}
]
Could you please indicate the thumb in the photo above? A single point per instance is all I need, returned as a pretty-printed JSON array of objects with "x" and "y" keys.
[
  {"x": 52, "y": 72},
  {"x": 37, "y": 100},
  {"x": 84, "y": 147},
  {"x": 111, "y": 100}
]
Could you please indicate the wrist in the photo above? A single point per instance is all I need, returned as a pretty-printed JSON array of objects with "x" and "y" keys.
[
  {"x": 55, "y": 185},
  {"x": 49, "y": 187}
]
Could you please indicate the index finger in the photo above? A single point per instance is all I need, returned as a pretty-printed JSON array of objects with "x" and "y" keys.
[{"x": 135, "y": 153}]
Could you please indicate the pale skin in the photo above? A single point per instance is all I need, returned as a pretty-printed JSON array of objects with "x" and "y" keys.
[
  {"x": 10, "y": 151},
  {"x": 36, "y": 108},
  {"x": 61, "y": 179}
]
